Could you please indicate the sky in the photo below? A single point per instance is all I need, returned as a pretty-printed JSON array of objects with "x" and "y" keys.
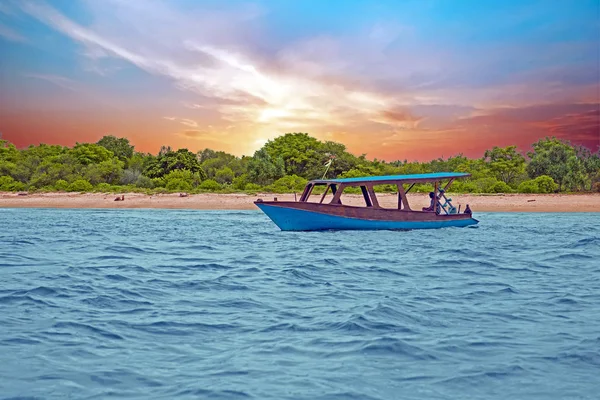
[{"x": 393, "y": 79}]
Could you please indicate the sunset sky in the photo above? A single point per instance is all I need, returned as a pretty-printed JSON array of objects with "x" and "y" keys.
[{"x": 396, "y": 79}]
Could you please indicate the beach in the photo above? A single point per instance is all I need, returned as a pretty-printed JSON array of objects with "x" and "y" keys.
[{"x": 238, "y": 201}]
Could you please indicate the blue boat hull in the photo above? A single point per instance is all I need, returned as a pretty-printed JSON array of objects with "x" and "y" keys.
[{"x": 293, "y": 219}]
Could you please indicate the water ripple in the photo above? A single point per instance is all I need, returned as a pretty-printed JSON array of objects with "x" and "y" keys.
[{"x": 222, "y": 305}]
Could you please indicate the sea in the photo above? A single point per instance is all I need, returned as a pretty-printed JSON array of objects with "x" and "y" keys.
[{"x": 190, "y": 304}]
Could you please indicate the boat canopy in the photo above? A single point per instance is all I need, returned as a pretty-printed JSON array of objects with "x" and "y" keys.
[{"x": 432, "y": 177}]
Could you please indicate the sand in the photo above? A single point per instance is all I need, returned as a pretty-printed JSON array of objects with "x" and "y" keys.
[{"x": 209, "y": 201}]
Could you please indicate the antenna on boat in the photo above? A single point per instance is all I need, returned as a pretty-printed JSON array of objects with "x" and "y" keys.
[{"x": 328, "y": 164}]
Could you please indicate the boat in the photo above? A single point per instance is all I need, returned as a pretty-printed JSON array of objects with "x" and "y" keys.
[{"x": 305, "y": 215}]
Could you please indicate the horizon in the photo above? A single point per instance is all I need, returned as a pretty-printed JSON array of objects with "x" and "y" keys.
[{"x": 417, "y": 80}]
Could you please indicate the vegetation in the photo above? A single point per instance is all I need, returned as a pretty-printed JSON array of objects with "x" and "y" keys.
[{"x": 284, "y": 164}]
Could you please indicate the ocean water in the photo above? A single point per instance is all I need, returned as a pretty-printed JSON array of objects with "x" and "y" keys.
[{"x": 165, "y": 304}]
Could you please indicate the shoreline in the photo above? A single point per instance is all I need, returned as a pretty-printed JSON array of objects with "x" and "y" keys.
[{"x": 587, "y": 202}]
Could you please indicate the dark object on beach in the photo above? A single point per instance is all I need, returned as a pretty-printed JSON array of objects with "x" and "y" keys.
[
  {"x": 22, "y": 194},
  {"x": 468, "y": 210},
  {"x": 529, "y": 201},
  {"x": 183, "y": 195},
  {"x": 122, "y": 198},
  {"x": 304, "y": 215}
]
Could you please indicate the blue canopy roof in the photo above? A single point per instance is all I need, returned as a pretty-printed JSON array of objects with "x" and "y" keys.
[{"x": 414, "y": 177}]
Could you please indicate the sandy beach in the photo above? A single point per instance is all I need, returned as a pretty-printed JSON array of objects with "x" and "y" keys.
[{"x": 213, "y": 201}]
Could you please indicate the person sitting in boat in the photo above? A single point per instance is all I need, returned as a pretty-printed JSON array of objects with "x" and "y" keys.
[
  {"x": 468, "y": 210},
  {"x": 432, "y": 202}
]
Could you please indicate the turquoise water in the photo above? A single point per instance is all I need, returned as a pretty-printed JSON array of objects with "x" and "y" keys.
[{"x": 221, "y": 304}]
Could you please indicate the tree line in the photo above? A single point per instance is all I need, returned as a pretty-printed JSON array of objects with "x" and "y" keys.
[{"x": 283, "y": 165}]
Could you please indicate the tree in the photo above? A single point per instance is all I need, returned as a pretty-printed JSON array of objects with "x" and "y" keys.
[
  {"x": 224, "y": 175},
  {"x": 298, "y": 151},
  {"x": 89, "y": 153},
  {"x": 505, "y": 163},
  {"x": 590, "y": 164},
  {"x": 8, "y": 151},
  {"x": 119, "y": 146},
  {"x": 171, "y": 161},
  {"x": 206, "y": 154},
  {"x": 80, "y": 185},
  {"x": 550, "y": 156},
  {"x": 109, "y": 171},
  {"x": 263, "y": 169}
]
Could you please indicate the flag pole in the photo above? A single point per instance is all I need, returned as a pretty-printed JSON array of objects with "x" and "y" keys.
[{"x": 327, "y": 169}]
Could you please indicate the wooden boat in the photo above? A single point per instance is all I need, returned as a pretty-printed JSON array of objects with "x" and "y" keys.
[{"x": 305, "y": 215}]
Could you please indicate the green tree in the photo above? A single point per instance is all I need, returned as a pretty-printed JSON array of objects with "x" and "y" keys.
[
  {"x": 90, "y": 153},
  {"x": 263, "y": 169},
  {"x": 576, "y": 177},
  {"x": 210, "y": 184},
  {"x": 505, "y": 163},
  {"x": 240, "y": 182},
  {"x": 529, "y": 186},
  {"x": 168, "y": 161},
  {"x": 224, "y": 175},
  {"x": 590, "y": 165},
  {"x": 80, "y": 185},
  {"x": 182, "y": 175},
  {"x": 8, "y": 152},
  {"x": 8, "y": 184},
  {"x": 550, "y": 156},
  {"x": 120, "y": 147},
  {"x": 109, "y": 171},
  {"x": 289, "y": 183},
  {"x": 545, "y": 184},
  {"x": 300, "y": 153}
]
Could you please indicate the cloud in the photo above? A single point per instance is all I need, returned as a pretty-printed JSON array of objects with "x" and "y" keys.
[
  {"x": 194, "y": 134},
  {"x": 11, "y": 35},
  {"x": 60, "y": 81},
  {"x": 188, "y": 122},
  {"x": 384, "y": 80},
  {"x": 242, "y": 86}
]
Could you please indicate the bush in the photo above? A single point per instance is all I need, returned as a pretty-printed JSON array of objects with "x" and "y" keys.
[
  {"x": 485, "y": 185},
  {"x": 80, "y": 185},
  {"x": 253, "y": 187},
  {"x": 545, "y": 184},
  {"x": 159, "y": 182},
  {"x": 385, "y": 188},
  {"x": 181, "y": 179},
  {"x": 352, "y": 190},
  {"x": 8, "y": 184},
  {"x": 596, "y": 187},
  {"x": 224, "y": 175},
  {"x": 103, "y": 187},
  {"x": 130, "y": 176},
  {"x": 500, "y": 187},
  {"x": 178, "y": 185},
  {"x": 210, "y": 184},
  {"x": 465, "y": 186},
  {"x": 61, "y": 184},
  {"x": 287, "y": 184},
  {"x": 529, "y": 186},
  {"x": 144, "y": 182},
  {"x": 422, "y": 188},
  {"x": 240, "y": 182}
]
